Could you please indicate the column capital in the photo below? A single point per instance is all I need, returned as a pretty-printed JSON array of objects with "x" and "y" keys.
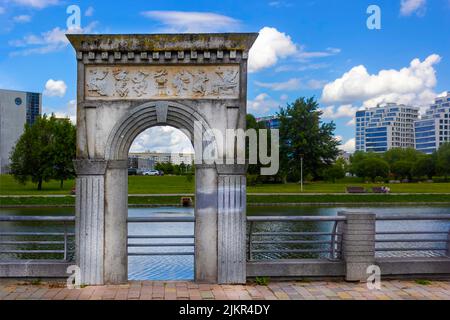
[{"x": 90, "y": 166}]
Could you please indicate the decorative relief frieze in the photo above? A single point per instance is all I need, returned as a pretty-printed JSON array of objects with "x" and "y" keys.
[{"x": 157, "y": 82}]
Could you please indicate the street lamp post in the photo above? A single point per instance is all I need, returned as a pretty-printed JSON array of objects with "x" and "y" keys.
[{"x": 301, "y": 172}]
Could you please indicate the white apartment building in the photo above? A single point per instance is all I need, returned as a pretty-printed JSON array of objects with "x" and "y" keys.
[
  {"x": 433, "y": 129},
  {"x": 385, "y": 126}
]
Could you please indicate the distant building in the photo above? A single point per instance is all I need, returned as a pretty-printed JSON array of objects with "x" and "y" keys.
[
  {"x": 433, "y": 129},
  {"x": 271, "y": 122},
  {"x": 16, "y": 109},
  {"x": 148, "y": 160},
  {"x": 385, "y": 127}
]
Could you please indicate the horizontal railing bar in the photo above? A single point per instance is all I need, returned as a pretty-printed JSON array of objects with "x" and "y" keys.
[
  {"x": 291, "y": 251},
  {"x": 7, "y": 243},
  {"x": 161, "y": 237},
  {"x": 410, "y": 249},
  {"x": 412, "y": 240},
  {"x": 160, "y": 219},
  {"x": 38, "y": 218},
  {"x": 37, "y": 234},
  {"x": 294, "y": 234},
  {"x": 294, "y": 218},
  {"x": 161, "y": 254},
  {"x": 160, "y": 244},
  {"x": 410, "y": 232},
  {"x": 415, "y": 217},
  {"x": 32, "y": 251},
  {"x": 293, "y": 242}
]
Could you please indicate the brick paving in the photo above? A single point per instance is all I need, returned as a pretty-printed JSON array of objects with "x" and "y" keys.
[{"x": 289, "y": 290}]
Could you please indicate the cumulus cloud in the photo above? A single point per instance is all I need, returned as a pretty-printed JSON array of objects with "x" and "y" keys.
[
  {"x": 24, "y": 18},
  {"x": 162, "y": 139},
  {"x": 191, "y": 21},
  {"x": 346, "y": 110},
  {"x": 48, "y": 41},
  {"x": 263, "y": 103},
  {"x": 55, "y": 88},
  {"x": 349, "y": 145},
  {"x": 410, "y": 85},
  {"x": 408, "y": 7},
  {"x": 270, "y": 46},
  {"x": 39, "y": 4}
]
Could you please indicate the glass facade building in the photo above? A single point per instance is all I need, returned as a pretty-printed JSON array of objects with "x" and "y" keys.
[
  {"x": 271, "y": 122},
  {"x": 433, "y": 129},
  {"x": 384, "y": 127}
]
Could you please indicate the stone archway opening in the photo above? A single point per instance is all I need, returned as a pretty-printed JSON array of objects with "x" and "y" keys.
[{"x": 128, "y": 83}]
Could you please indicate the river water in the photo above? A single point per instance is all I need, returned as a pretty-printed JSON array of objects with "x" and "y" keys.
[{"x": 181, "y": 267}]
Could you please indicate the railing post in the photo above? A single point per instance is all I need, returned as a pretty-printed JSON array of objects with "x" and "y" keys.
[
  {"x": 250, "y": 250},
  {"x": 358, "y": 244},
  {"x": 65, "y": 241}
]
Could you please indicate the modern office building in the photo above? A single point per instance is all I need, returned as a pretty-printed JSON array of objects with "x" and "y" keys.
[
  {"x": 433, "y": 129},
  {"x": 148, "y": 160},
  {"x": 16, "y": 109},
  {"x": 385, "y": 127},
  {"x": 271, "y": 122}
]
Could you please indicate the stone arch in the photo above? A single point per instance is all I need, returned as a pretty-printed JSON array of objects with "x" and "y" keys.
[{"x": 150, "y": 114}]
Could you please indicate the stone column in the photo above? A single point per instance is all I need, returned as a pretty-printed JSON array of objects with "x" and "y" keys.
[
  {"x": 89, "y": 226},
  {"x": 231, "y": 224},
  {"x": 205, "y": 223},
  {"x": 358, "y": 244},
  {"x": 116, "y": 231}
]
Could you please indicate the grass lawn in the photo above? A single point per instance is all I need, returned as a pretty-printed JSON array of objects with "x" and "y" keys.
[{"x": 180, "y": 185}]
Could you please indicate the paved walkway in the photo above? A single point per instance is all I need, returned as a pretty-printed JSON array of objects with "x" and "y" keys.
[{"x": 147, "y": 290}]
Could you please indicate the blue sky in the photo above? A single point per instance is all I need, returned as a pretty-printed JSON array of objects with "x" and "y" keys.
[{"x": 319, "y": 48}]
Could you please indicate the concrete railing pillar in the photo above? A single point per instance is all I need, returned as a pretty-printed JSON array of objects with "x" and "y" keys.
[
  {"x": 206, "y": 224},
  {"x": 231, "y": 224},
  {"x": 358, "y": 244},
  {"x": 90, "y": 220}
]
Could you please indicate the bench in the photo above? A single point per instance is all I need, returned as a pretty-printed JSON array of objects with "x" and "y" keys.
[
  {"x": 356, "y": 190},
  {"x": 380, "y": 190}
]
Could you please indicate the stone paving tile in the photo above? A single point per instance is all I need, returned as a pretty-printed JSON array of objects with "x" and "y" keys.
[{"x": 171, "y": 290}]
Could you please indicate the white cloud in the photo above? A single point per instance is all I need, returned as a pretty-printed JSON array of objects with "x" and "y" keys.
[
  {"x": 89, "y": 12},
  {"x": 304, "y": 55},
  {"x": 270, "y": 46},
  {"x": 351, "y": 123},
  {"x": 55, "y": 88},
  {"x": 262, "y": 104},
  {"x": 289, "y": 85},
  {"x": 162, "y": 139},
  {"x": 24, "y": 18},
  {"x": 48, "y": 41},
  {"x": 309, "y": 66},
  {"x": 39, "y": 4},
  {"x": 191, "y": 21},
  {"x": 348, "y": 146},
  {"x": 410, "y": 85},
  {"x": 292, "y": 85},
  {"x": 280, "y": 4},
  {"x": 408, "y": 7},
  {"x": 346, "y": 110}
]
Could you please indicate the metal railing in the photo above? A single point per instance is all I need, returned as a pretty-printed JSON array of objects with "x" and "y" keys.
[
  {"x": 37, "y": 245},
  {"x": 435, "y": 242},
  {"x": 331, "y": 245},
  {"x": 169, "y": 244}
]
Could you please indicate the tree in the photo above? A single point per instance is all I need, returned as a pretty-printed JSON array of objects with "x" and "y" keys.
[
  {"x": 63, "y": 150},
  {"x": 30, "y": 157},
  {"x": 357, "y": 162},
  {"x": 443, "y": 160},
  {"x": 253, "y": 124},
  {"x": 303, "y": 135},
  {"x": 394, "y": 155},
  {"x": 335, "y": 171},
  {"x": 374, "y": 167},
  {"x": 402, "y": 169},
  {"x": 424, "y": 166}
]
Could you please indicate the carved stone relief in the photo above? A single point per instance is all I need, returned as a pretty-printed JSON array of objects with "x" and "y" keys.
[{"x": 157, "y": 82}]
